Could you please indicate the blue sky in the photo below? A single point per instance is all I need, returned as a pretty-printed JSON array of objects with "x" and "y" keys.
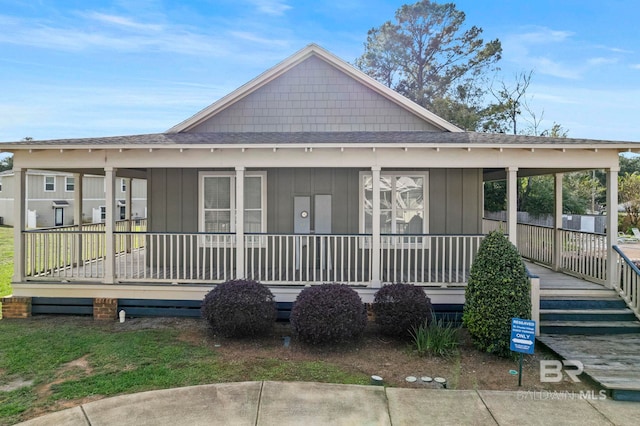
[{"x": 81, "y": 68}]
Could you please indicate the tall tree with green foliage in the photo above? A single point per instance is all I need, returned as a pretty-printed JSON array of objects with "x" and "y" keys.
[
  {"x": 6, "y": 163},
  {"x": 427, "y": 56},
  {"x": 629, "y": 197}
]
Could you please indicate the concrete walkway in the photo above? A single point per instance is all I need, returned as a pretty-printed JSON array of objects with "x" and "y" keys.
[{"x": 296, "y": 403}]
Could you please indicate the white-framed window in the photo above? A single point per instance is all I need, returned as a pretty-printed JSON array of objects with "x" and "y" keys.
[
  {"x": 49, "y": 183},
  {"x": 123, "y": 185},
  {"x": 69, "y": 183},
  {"x": 217, "y": 201},
  {"x": 404, "y": 205},
  {"x": 103, "y": 213}
]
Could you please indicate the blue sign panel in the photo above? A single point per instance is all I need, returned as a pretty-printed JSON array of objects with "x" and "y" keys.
[{"x": 523, "y": 335}]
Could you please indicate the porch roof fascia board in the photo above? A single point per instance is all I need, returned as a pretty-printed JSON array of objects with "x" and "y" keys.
[
  {"x": 366, "y": 157},
  {"x": 295, "y": 59}
]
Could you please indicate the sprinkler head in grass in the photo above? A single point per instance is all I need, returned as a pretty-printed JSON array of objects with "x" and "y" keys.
[{"x": 377, "y": 380}]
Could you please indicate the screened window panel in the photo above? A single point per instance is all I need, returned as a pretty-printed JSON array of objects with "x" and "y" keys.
[
  {"x": 253, "y": 221},
  {"x": 217, "y": 221},
  {"x": 217, "y": 192},
  {"x": 253, "y": 192}
]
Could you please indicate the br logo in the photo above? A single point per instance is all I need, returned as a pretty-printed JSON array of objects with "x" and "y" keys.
[{"x": 551, "y": 370}]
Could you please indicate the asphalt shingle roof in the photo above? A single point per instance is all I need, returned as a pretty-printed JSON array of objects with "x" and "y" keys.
[{"x": 285, "y": 138}]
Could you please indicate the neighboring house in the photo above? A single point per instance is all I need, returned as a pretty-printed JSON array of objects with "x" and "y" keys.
[
  {"x": 50, "y": 198},
  {"x": 312, "y": 172}
]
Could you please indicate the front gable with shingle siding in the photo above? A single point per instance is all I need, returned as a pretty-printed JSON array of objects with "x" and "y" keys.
[
  {"x": 313, "y": 91},
  {"x": 314, "y": 97}
]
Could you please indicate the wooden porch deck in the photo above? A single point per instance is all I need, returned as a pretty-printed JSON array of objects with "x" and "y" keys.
[{"x": 553, "y": 283}]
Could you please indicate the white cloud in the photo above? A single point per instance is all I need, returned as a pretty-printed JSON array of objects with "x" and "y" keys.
[
  {"x": 122, "y": 21},
  {"x": 601, "y": 61},
  {"x": 543, "y": 35},
  {"x": 271, "y": 7},
  {"x": 73, "y": 37},
  {"x": 635, "y": 66}
]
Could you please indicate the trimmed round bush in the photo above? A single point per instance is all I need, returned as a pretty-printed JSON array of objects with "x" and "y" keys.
[
  {"x": 239, "y": 308},
  {"x": 498, "y": 290},
  {"x": 328, "y": 313},
  {"x": 399, "y": 308}
]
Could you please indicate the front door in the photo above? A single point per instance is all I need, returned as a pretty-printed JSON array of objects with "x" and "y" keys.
[{"x": 58, "y": 219}]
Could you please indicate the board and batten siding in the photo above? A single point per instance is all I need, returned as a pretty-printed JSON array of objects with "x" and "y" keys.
[
  {"x": 296, "y": 102},
  {"x": 455, "y": 199}
]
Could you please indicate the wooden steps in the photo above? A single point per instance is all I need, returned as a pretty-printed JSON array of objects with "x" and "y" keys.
[
  {"x": 589, "y": 323},
  {"x": 586, "y": 315}
]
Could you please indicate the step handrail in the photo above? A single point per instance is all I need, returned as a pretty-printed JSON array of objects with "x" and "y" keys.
[
  {"x": 534, "y": 280},
  {"x": 628, "y": 288}
]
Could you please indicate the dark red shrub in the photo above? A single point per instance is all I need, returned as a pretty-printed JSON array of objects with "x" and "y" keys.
[
  {"x": 328, "y": 313},
  {"x": 239, "y": 308},
  {"x": 399, "y": 308}
]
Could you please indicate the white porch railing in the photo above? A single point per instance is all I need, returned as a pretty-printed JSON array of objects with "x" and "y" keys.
[
  {"x": 175, "y": 257},
  {"x": 536, "y": 243},
  {"x": 63, "y": 254},
  {"x": 427, "y": 259},
  {"x": 270, "y": 258},
  {"x": 305, "y": 259},
  {"x": 584, "y": 254},
  {"x": 628, "y": 282}
]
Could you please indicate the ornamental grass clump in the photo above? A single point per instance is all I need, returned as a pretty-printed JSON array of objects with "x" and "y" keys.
[
  {"x": 240, "y": 308},
  {"x": 328, "y": 313},
  {"x": 498, "y": 290},
  {"x": 437, "y": 338},
  {"x": 399, "y": 308}
]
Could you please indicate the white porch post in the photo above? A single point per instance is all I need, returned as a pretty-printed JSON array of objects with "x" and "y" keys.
[
  {"x": 77, "y": 199},
  {"x": 127, "y": 212},
  {"x": 110, "y": 252},
  {"x": 78, "y": 190},
  {"x": 512, "y": 204},
  {"x": 240, "y": 269},
  {"x": 612, "y": 225},
  {"x": 127, "y": 202},
  {"x": 556, "y": 262},
  {"x": 375, "y": 228},
  {"x": 19, "y": 178}
]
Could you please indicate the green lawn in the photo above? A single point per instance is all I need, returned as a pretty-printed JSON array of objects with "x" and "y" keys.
[
  {"x": 6, "y": 260},
  {"x": 109, "y": 359}
]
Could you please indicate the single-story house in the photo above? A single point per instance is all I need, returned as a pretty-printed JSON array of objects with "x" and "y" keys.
[
  {"x": 50, "y": 198},
  {"x": 312, "y": 172}
]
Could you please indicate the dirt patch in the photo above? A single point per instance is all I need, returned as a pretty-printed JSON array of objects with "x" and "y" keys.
[
  {"x": 395, "y": 360},
  {"x": 72, "y": 370}
]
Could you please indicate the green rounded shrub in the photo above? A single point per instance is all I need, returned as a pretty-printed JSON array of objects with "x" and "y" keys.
[
  {"x": 328, "y": 313},
  {"x": 399, "y": 308},
  {"x": 498, "y": 290},
  {"x": 239, "y": 308}
]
